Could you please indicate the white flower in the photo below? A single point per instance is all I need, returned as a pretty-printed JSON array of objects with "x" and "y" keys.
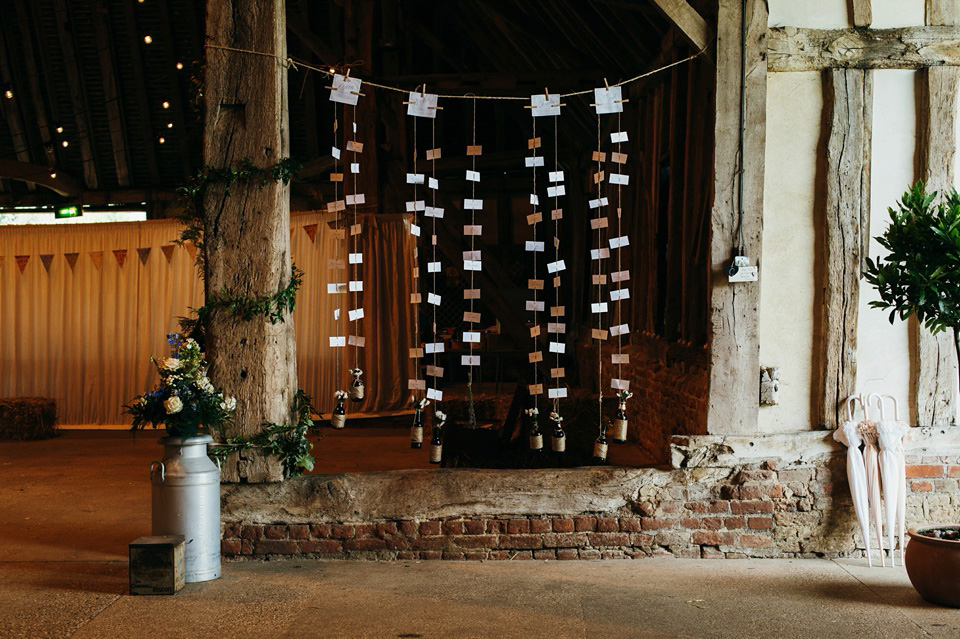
[
  {"x": 356, "y": 372},
  {"x": 340, "y": 394},
  {"x": 423, "y": 403},
  {"x": 172, "y": 363},
  {"x": 442, "y": 417},
  {"x": 173, "y": 405},
  {"x": 532, "y": 411},
  {"x": 190, "y": 343},
  {"x": 141, "y": 401},
  {"x": 205, "y": 385},
  {"x": 229, "y": 404},
  {"x": 554, "y": 417}
]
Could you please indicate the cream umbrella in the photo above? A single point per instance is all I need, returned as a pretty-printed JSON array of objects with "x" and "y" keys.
[
  {"x": 868, "y": 431},
  {"x": 849, "y": 435},
  {"x": 890, "y": 435}
]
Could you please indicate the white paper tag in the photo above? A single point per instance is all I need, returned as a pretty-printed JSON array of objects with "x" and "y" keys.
[
  {"x": 336, "y": 314},
  {"x": 356, "y": 258},
  {"x": 471, "y": 337},
  {"x": 545, "y": 105},
  {"x": 414, "y": 230},
  {"x": 416, "y": 384},
  {"x": 355, "y": 314},
  {"x": 336, "y": 287},
  {"x": 357, "y": 340},
  {"x": 556, "y": 176},
  {"x": 619, "y": 294},
  {"x": 595, "y": 204},
  {"x": 620, "y": 384},
  {"x": 533, "y": 246},
  {"x": 422, "y": 105},
  {"x": 433, "y": 183},
  {"x": 619, "y": 178},
  {"x": 599, "y": 254},
  {"x": 434, "y": 394},
  {"x": 619, "y": 136},
  {"x": 433, "y": 348},
  {"x": 620, "y": 276},
  {"x": 607, "y": 100},
  {"x": 556, "y": 393},
  {"x": 472, "y": 265},
  {"x": 620, "y": 358},
  {"x": 619, "y": 242},
  {"x": 335, "y": 152},
  {"x": 472, "y": 205},
  {"x": 470, "y": 360},
  {"x": 433, "y": 298},
  {"x": 556, "y": 191},
  {"x": 354, "y": 167},
  {"x": 536, "y": 305},
  {"x": 532, "y": 161},
  {"x": 345, "y": 90},
  {"x": 558, "y": 347},
  {"x": 556, "y": 267},
  {"x": 418, "y": 205},
  {"x": 356, "y": 199},
  {"x": 356, "y": 286},
  {"x": 473, "y": 176},
  {"x": 620, "y": 329},
  {"x": 415, "y": 178},
  {"x": 338, "y": 342},
  {"x": 534, "y": 199},
  {"x": 433, "y": 211},
  {"x": 433, "y": 267},
  {"x": 599, "y": 307}
]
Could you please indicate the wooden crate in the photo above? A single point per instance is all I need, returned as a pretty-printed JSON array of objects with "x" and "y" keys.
[{"x": 157, "y": 565}]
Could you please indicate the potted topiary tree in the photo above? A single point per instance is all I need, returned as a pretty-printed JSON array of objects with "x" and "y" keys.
[{"x": 920, "y": 277}]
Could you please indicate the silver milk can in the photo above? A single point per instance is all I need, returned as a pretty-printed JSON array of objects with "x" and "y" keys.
[{"x": 186, "y": 501}]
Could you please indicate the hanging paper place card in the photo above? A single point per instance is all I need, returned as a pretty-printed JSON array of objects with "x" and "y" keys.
[
  {"x": 619, "y": 242},
  {"x": 336, "y": 287},
  {"x": 470, "y": 316},
  {"x": 599, "y": 177},
  {"x": 356, "y": 147},
  {"x": 595, "y": 204},
  {"x": 532, "y": 161},
  {"x": 599, "y": 156},
  {"x": 434, "y": 371},
  {"x": 619, "y": 178},
  {"x": 422, "y": 105},
  {"x": 471, "y": 255},
  {"x": 608, "y": 100},
  {"x": 416, "y": 384},
  {"x": 415, "y": 178},
  {"x": 533, "y": 246},
  {"x": 436, "y": 347},
  {"x": 536, "y": 305},
  {"x": 475, "y": 229},
  {"x": 433, "y": 298},
  {"x": 534, "y": 199},
  {"x": 356, "y": 229},
  {"x": 620, "y": 358},
  {"x": 556, "y": 214},
  {"x": 345, "y": 90},
  {"x": 556, "y": 327},
  {"x": 535, "y": 357},
  {"x": 356, "y": 286},
  {"x": 470, "y": 360},
  {"x": 416, "y": 352},
  {"x": 356, "y": 199},
  {"x": 556, "y": 191},
  {"x": 336, "y": 314},
  {"x": 418, "y": 205},
  {"x": 599, "y": 307},
  {"x": 619, "y": 294},
  {"x": 533, "y": 218},
  {"x": 620, "y": 329},
  {"x": 433, "y": 211},
  {"x": 339, "y": 205},
  {"x": 433, "y": 267},
  {"x": 354, "y": 167},
  {"x": 356, "y": 340},
  {"x": 556, "y": 267},
  {"x": 620, "y": 276},
  {"x": 473, "y": 176},
  {"x": 356, "y": 258},
  {"x": 557, "y": 311},
  {"x": 555, "y": 176},
  {"x": 535, "y": 331},
  {"x": 619, "y": 158},
  {"x": 472, "y": 265},
  {"x": 471, "y": 293},
  {"x": 471, "y": 337},
  {"x": 415, "y": 298},
  {"x": 545, "y": 104},
  {"x": 533, "y": 143},
  {"x": 557, "y": 372},
  {"x": 620, "y": 384},
  {"x": 434, "y": 394},
  {"x": 474, "y": 149},
  {"x": 558, "y": 347},
  {"x": 599, "y": 279},
  {"x": 355, "y": 314},
  {"x": 535, "y": 389},
  {"x": 598, "y": 223},
  {"x": 338, "y": 342},
  {"x": 535, "y": 285},
  {"x": 619, "y": 136},
  {"x": 336, "y": 265},
  {"x": 598, "y": 333},
  {"x": 433, "y": 154},
  {"x": 335, "y": 152},
  {"x": 414, "y": 230},
  {"x": 433, "y": 183},
  {"x": 556, "y": 393},
  {"x": 600, "y": 253},
  {"x": 473, "y": 205}
]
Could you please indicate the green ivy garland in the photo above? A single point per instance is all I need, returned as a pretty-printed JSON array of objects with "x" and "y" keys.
[{"x": 288, "y": 442}]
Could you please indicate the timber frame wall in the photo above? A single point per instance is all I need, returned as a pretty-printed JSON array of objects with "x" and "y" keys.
[{"x": 847, "y": 57}]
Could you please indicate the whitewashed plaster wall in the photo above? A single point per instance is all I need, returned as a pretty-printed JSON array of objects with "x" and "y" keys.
[{"x": 796, "y": 144}]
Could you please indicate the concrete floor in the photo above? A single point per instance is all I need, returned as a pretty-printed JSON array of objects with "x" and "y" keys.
[{"x": 70, "y": 506}]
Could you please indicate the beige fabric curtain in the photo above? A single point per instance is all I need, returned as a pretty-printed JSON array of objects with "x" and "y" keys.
[{"x": 83, "y": 333}]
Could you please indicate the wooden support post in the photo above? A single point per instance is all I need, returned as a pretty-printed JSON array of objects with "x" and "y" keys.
[
  {"x": 863, "y": 12},
  {"x": 847, "y": 95},
  {"x": 691, "y": 25},
  {"x": 941, "y": 12},
  {"x": 936, "y": 356},
  {"x": 247, "y": 233},
  {"x": 734, "y": 341}
]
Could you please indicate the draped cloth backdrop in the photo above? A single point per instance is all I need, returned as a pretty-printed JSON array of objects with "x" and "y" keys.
[{"x": 82, "y": 308}]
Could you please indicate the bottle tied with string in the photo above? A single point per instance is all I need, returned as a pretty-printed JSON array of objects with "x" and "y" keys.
[
  {"x": 436, "y": 441},
  {"x": 618, "y": 430},
  {"x": 357, "y": 389},
  {"x": 339, "y": 417},
  {"x": 600, "y": 446},
  {"x": 536, "y": 436},
  {"x": 416, "y": 431},
  {"x": 558, "y": 440}
]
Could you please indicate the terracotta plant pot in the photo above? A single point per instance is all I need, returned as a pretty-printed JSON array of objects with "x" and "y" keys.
[{"x": 933, "y": 566}]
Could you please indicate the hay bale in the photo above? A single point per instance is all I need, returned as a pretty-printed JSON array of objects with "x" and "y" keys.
[{"x": 26, "y": 418}]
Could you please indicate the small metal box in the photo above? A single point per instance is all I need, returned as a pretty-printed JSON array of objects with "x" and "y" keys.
[{"x": 157, "y": 565}]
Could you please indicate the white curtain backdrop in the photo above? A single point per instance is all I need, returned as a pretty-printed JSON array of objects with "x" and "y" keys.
[{"x": 83, "y": 334}]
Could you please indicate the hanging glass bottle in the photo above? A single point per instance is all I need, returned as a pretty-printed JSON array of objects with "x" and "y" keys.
[
  {"x": 416, "y": 431},
  {"x": 436, "y": 442},
  {"x": 536, "y": 437},
  {"x": 558, "y": 442},
  {"x": 600, "y": 446},
  {"x": 618, "y": 432},
  {"x": 357, "y": 389},
  {"x": 339, "y": 417}
]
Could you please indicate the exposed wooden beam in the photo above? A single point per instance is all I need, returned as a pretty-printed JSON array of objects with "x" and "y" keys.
[
  {"x": 178, "y": 118},
  {"x": 693, "y": 27},
  {"x": 936, "y": 357},
  {"x": 147, "y": 136},
  {"x": 33, "y": 82},
  {"x": 78, "y": 97},
  {"x": 842, "y": 244},
  {"x": 11, "y": 108},
  {"x": 63, "y": 184},
  {"x": 317, "y": 45},
  {"x": 941, "y": 12},
  {"x": 797, "y": 49},
  {"x": 863, "y": 13},
  {"x": 734, "y": 343},
  {"x": 90, "y": 198},
  {"x": 111, "y": 91}
]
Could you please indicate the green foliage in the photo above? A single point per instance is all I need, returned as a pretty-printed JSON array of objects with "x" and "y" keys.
[
  {"x": 288, "y": 442},
  {"x": 273, "y": 307},
  {"x": 921, "y": 274},
  {"x": 185, "y": 400}
]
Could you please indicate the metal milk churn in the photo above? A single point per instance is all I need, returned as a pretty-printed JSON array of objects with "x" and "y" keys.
[{"x": 186, "y": 501}]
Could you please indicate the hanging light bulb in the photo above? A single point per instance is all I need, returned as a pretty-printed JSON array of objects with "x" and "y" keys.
[
  {"x": 169, "y": 125},
  {"x": 179, "y": 66},
  {"x": 65, "y": 143},
  {"x": 147, "y": 39},
  {"x": 8, "y": 91},
  {"x": 165, "y": 105},
  {"x": 59, "y": 127},
  {"x": 162, "y": 140},
  {"x": 53, "y": 173}
]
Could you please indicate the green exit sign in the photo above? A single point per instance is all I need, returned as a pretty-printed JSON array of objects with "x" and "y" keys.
[{"x": 68, "y": 211}]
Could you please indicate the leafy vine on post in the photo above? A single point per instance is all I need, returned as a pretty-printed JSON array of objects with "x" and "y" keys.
[{"x": 921, "y": 274}]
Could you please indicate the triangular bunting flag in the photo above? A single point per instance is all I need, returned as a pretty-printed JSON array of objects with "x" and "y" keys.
[
  {"x": 144, "y": 253},
  {"x": 311, "y": 230},
  {"x": 191, "y": 249},
  {"x": 168, "y": 251},
  {"x": 22, "y": 261},
  {"x": 71, "y": 259},
  {"x": 121, "y": 255},
  {"x": 47, "y": 261},
  {"x": 96, "y": 257}
]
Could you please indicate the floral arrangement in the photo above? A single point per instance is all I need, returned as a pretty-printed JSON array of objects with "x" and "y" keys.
[
  {"x": 422, "y": 404},
  {"x": 441, "y": 418},
  {"x": 624, "y": 395},
  {"x": 532, "y": 412},
  {"x": 555, "y": 417},
  {"x": 340, "y": 395},
  {"x": 185, "y": 401},
  {"x": 356, "y": 372}
]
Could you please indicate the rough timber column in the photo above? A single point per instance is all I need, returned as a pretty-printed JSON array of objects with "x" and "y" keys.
[
  {"x": 936, "y": 355},
  {"x": 247, "y": 233},
  {"x": 734, "y": 341}
]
